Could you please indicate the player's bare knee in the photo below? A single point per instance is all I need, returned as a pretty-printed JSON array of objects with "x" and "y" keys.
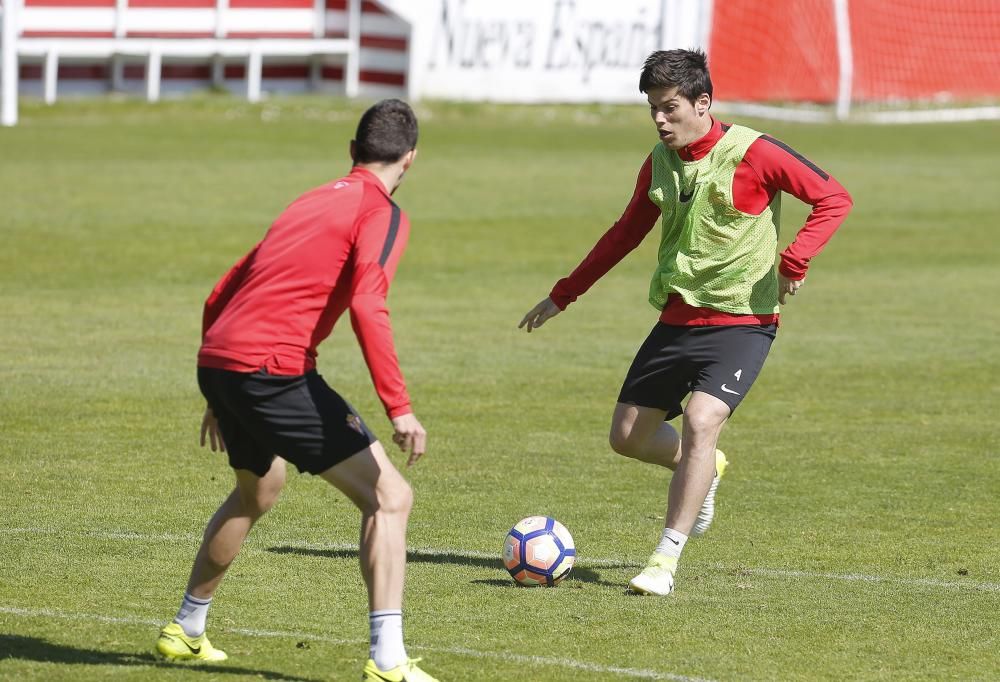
[
  {"x": 266, "y": 501},
  {"x": 623, "y": 442},
  {"x": 258, "y": 494},
  {"x": 395, "y": 498},
  {"x": 618, "y": 442},
  {"x": 703, "y": 421},
  {"x": 256, "y": 502},
  {"x": 255, "y": 506},
  {"x": 402, "y": 499}
]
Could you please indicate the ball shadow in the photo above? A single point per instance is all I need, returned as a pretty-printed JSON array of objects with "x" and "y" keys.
[{"x": 578, "y": 574}]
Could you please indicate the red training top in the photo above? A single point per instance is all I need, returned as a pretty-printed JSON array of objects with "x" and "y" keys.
[
  {"x": 335, "y": 247},
  {"x": 768, "y": 167}
]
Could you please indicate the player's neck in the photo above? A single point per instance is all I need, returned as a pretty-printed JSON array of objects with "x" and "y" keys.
[
  {"x": 705, "y": 128},
  {"x": 701, "y": 144},
  {"x": 388, "y": 174}
]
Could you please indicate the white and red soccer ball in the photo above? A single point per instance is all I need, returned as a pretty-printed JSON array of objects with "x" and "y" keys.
[{"x": 539, "y": 551}]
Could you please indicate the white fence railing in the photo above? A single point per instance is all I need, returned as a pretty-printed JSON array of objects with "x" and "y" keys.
[
  {"x": 150, "y": 35},
  {"x": 8, "y": 62}
]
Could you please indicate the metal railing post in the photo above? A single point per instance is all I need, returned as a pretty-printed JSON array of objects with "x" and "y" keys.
[{"x": 9, "y": 63}]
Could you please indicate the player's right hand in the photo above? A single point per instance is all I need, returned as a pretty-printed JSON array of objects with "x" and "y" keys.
[
  {"x": 536, "y": 317},
  {"x": 409, "y": 435},
  {"x": 788, "y": 286},
  {"x": 210, "y": 427}
]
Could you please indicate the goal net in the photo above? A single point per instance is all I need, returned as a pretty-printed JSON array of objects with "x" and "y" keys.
[{"x": 878, "y": 60}]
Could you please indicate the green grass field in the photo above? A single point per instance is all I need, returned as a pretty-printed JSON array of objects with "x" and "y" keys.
[{"x": 858, "y": 533}]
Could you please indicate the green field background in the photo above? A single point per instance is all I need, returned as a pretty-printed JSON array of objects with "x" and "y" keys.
[{"x": 858, "y": 531}]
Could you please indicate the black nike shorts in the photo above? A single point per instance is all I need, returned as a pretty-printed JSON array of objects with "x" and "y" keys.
[
  {"x": 673, "y": 361},
  {"x": 298, "y": 417}
]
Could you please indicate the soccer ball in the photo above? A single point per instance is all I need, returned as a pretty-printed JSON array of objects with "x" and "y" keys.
[{"x": 539, "y": 551}]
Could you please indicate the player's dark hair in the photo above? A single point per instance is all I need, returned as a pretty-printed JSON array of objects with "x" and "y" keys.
[
  {"x": 687, "y": 70},
  {"x": 386, "y": 132}
]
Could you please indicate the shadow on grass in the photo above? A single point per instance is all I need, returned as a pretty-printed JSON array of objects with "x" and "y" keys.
[
  {"x": 584, "y": 575},
  {"x": 44, "y": 651}
]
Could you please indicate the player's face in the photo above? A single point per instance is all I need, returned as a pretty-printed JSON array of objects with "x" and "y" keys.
[{"x": 678, "y": 121}]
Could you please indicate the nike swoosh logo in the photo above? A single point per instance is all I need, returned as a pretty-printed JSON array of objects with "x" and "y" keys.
[
  {"x": 728, "y": 390},
  {"x": 193, "y": 650},
  {"x": 686, "y": 197}
]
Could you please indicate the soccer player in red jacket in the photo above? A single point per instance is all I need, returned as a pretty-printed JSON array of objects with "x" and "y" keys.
[
  {"x": 717, "y": 188},
  {"x": 334, "y": 249}
]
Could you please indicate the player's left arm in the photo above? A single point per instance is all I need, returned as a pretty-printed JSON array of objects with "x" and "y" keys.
[
  {"x": 224, "y": 290},
  {"x": 778, "y": 167},
  {"x": 381, "y": 239}
]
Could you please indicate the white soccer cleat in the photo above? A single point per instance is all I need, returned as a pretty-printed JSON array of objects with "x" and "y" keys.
[
  {"x": 707, "y": 512},
  {"x": 657, "y": 578}
]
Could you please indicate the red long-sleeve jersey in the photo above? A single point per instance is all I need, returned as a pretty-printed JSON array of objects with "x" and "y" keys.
[
  {"x": 769, "y": 166},
  {"x": 334, "y": 248}
]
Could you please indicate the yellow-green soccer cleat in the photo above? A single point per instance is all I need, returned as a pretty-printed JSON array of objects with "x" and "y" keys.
[
  {"x": 657, "y": 578},
  {"x": 707, "y": 512},
  {"x": 407, "y": 672},
  {"x": 173, "y": 644}
]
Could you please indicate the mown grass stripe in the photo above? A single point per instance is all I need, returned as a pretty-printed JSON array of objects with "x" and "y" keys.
[
  {"x": 472, "y": 554},
  {"x": 458, "y": 651}
]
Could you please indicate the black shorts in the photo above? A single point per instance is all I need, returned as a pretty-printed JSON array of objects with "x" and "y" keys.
[
  {"x": 722, "y": 361},
  {"x": 298, "y": 417}
]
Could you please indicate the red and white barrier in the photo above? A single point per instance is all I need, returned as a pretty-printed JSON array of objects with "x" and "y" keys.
[
  {"x": 801, "y": 59},
  {"x": 91, "y": 45}
]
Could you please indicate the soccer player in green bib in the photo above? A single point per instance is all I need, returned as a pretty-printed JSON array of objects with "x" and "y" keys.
[{"x": 716, "y": 189}]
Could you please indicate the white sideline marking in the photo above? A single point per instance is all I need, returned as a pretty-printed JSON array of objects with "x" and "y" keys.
[
  {"x": 460, "y": 651},
  {"x": 859, "y": 577},
  {"x": 598, "y": 562},
  {"x": 570, "y": 663}
]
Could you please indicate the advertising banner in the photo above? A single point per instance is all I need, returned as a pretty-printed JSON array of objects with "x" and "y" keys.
[{"x": 543, "y": 50}]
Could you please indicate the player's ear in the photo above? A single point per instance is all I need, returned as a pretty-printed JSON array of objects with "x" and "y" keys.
[
  {"x": 408, "y": 159},
  {"x": 702, "y": 104}
]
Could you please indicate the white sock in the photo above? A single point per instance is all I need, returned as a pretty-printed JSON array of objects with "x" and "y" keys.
[
  {"x": 386, "y": 643},
  {"x": 192, "y": 614},
  {"x": 671, "y": 543}
]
